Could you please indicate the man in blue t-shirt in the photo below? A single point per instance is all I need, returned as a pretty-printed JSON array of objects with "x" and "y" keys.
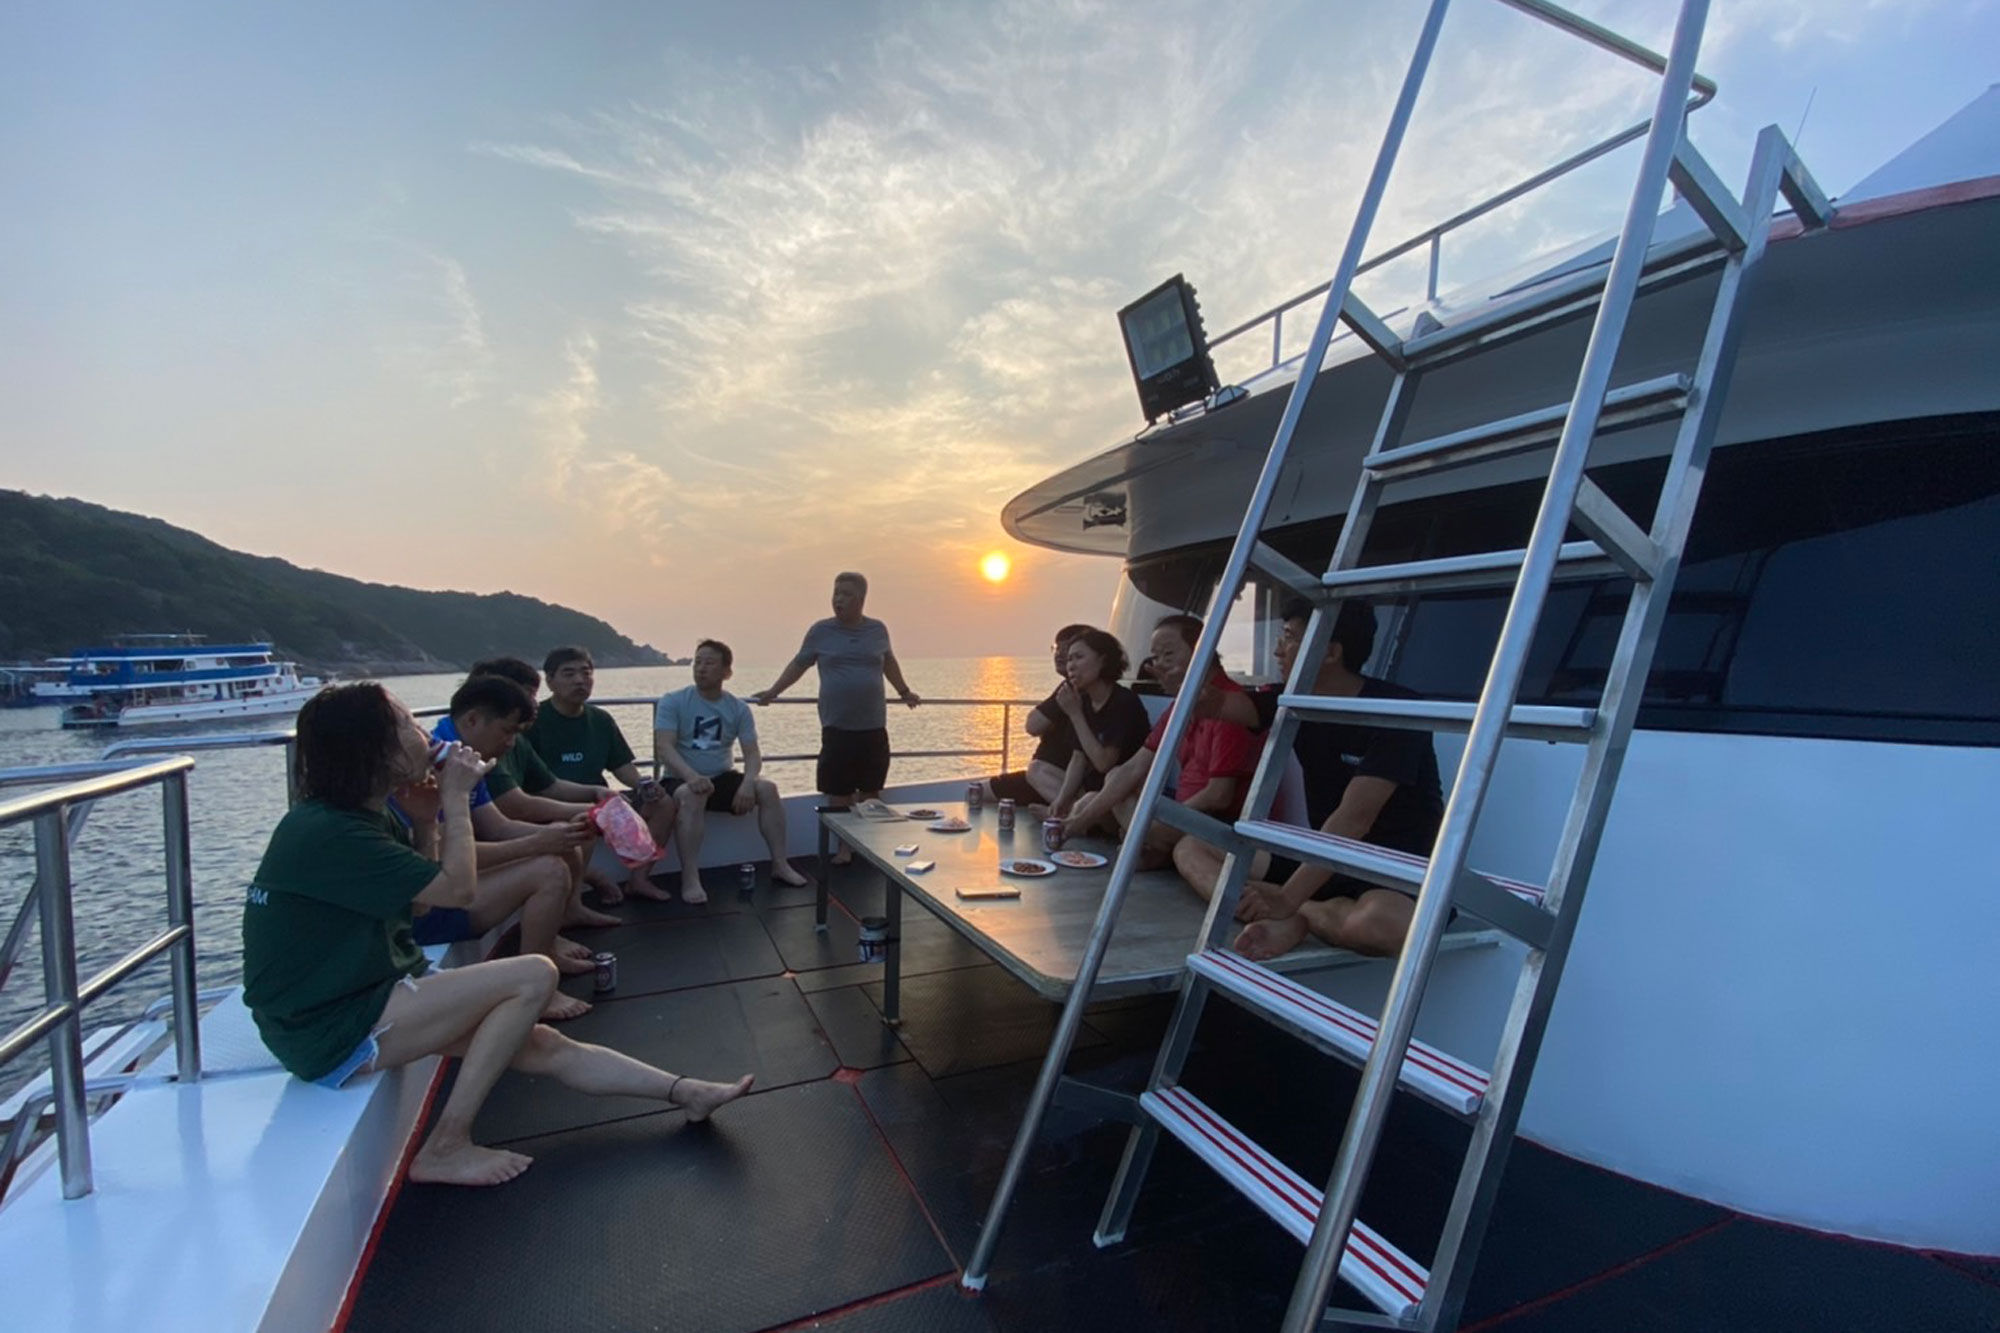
[{"x": 696, "y": 730}]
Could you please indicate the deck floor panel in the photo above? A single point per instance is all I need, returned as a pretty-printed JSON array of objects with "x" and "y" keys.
[
  {"x": 928, "y": 944},
  {"x": 854, "y": 1025},
  {"x": 1758, "y": 1277},
  {"x": 674, "y": 955},
  {"x": 761, "y": 1026},
  {"x": 955, "y": 1022},
  {"x": 783, "y": 1206}
]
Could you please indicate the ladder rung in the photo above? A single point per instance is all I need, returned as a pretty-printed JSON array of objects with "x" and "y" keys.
[
  {"x": 1454, "y": 573},
  {"x": 1711, "y": 200},
  {"x": 1624, "y": 408},
  {"x": 1533, "y": 721},
  {"x": 1560, "y": 298},
  {"x": 1339, "y": 1030},
  {"x": 1392, "y": 1281},
  {"x": 1399, "y": 870}
]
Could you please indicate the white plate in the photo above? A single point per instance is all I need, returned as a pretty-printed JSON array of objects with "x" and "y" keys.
[
  {"x": 924, "y": 812},
  {"x": 1018, "y": 865},
  {"x": 949, "y": 826},
  {"x": 1087, "y": 861}
]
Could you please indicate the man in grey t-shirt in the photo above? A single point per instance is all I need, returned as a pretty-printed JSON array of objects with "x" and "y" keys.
[{"x": 853, "y": 656}]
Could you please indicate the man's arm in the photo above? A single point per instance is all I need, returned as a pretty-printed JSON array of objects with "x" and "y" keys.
[
  {"x": 451, "y": 841},
  {"x": 746, "y": 790},
  {"x": 786, "y": 679},
  {"x": 1216, "y": 796},
  {"x": 894, "y": 671},
  {"x": 1360, "y": 805},
  {"x": 520, "y": 806},
  {"x": 1071, "y": 784},
  {"x": 503, "y": 840},
  {"x": 667, "y": 751}
]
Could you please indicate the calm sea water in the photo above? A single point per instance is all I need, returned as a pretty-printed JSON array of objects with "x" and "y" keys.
[{"x": 237, "y": 795}]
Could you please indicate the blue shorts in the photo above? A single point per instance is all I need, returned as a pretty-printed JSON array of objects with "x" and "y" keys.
[
  {"x": 443, "y": 925},
  {"x": 363, "y": 1054}
]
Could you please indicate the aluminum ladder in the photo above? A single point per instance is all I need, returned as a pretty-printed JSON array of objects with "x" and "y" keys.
[{"x": 1404, "y": 1293}]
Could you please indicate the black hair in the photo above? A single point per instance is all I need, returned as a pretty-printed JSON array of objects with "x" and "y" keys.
[
  {"x": 1189, "y": 627},
  {"x": 1354, "y": 631},
  {"x": 348, "y": 736},
  {"x": 721, "y": 648},
  {"x": 509, "y": 668},
  {"x": 1297, "y": 608},
  {"x": 559, "y": 658},
  {"x": 495, "y": 697},
  {"x": 1069, "y": 632},
  {"x": 1109, "y": 651},
  {"x": 849, "y": 576}
]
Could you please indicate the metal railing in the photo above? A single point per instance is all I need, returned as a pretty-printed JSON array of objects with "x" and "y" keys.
[
  {"x": 56, "y": 814},
  {"x": 1433, "y": 237}
]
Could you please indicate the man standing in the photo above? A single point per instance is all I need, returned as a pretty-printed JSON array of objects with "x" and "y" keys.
[
  {"x": 581, "y": 743},
  {"x": 853, "y": 656},
  {"x": 695, "y": 733}
]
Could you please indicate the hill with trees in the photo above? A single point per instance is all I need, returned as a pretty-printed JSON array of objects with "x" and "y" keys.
[{"x": 74, "y": 574}]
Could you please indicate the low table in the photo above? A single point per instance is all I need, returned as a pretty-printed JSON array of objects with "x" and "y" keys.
[{"x": 1040, "y": 937}]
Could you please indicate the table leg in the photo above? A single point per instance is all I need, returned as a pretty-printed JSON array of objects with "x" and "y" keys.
[
  {"x": 892, "y": 972},
  {"x": 825, "y": 869}
]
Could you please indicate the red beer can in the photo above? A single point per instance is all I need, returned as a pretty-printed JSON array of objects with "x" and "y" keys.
[{"x": 1052, "y": 835}]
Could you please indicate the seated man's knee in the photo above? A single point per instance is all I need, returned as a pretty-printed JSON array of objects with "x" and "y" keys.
[
  {"x": 767, "y": 791},
  {"x": 1380, "y": 922},
  {"x": 552, "y": 873},
  {"x": 530, "y": 975}
]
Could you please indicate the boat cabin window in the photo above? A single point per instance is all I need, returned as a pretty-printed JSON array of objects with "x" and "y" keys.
[{"x": 1839, "y": 584}]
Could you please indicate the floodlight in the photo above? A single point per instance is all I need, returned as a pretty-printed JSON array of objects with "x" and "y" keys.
[{"x": 1168, "y": 350}]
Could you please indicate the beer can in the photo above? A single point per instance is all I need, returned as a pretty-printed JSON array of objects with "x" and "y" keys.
[
  {"x": 746, "y": 879},
  {"x": 607, "y": 971},
  {"x": 1052, "y": 835},
  {"x": 873, "y": 944},
  {"x": 975, "y": 795},
  {"x": 1006, "y": 809}
]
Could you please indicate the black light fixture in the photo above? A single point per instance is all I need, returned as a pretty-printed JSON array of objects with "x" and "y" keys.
[{"x": 1167, "y": 347}]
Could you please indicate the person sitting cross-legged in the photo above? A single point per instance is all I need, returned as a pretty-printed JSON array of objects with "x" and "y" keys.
[
  {"x": 695, "y": 731},
  {"x": 332, "y": 977},
  {"x": 1055, "y": 739}
]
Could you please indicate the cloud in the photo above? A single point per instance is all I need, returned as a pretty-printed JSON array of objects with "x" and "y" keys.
[{"x": 436, "y": 331}]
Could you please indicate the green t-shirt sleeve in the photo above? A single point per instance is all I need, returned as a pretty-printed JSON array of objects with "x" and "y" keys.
[
  {"x": 617, "y": 753},
  {"x": 500, "y": 778},
  {"x": 534, "y": 770},
  {"x": 348, "y": 859}
]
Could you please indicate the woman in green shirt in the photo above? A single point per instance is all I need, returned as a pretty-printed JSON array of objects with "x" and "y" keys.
[{"x": 331, "y": 975}]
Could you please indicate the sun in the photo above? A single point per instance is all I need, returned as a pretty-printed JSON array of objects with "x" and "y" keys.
[{"x": 995, "y": 566}]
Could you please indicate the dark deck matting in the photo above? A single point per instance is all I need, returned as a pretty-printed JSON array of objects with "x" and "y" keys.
[{"x": 846, "y": 1198}]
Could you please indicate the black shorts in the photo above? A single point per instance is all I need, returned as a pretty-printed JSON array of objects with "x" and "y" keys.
[
  {"x": 851, "y": 761},
  {"x": 1015, "y": 787},
  {"x": 1340, "y": 886},
  {"x": 726, "y": 786}
]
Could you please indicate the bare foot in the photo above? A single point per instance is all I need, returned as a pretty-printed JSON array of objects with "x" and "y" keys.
[
  {"x": 843, "y": 855},
  {"x": 466, "y": 1164},
  {"x": 783, "y": 873},
  {"x": 573, "y": 967},
  {"x": 607, "y": 888},
  {"x": 642, "y": 886},
  {"x": 570, "y": 949},
  {"x": 1267, "y": 939},
  {"x": 587, "y": 918},
  {"x": 693, "y": 894},
  {"x": 699, "y": 1098},
  {"x": 561, "y": 1008}
]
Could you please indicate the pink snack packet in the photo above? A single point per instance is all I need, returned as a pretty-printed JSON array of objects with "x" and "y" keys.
[{"x": 626, "y": 833}]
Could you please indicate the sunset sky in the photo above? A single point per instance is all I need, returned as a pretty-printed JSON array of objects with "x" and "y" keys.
[{"x": 670, "y": 311}]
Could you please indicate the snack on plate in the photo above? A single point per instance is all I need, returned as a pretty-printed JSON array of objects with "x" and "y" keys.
[
  {"x": 1081, "y": 860},
  {"x": 924, "y": 813}
]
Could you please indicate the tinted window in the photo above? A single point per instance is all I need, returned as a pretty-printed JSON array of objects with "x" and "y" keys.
[{"x": 1840, "y": 584}]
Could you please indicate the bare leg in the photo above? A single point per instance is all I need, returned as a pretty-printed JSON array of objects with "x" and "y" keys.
[
  {"x": 1374, "y": 924},
  {"x": 842, "y": 853},
  {"x": 689, "y": 826},
  {"x": 482, "y": 1013},
  {"x": 660, "y": 821},
  {"x": 603, "y": 1072},
  {"x": 1045, "y": 778},
  {"x": 771, "y": 823},
  {"x": 1200, "y": 864}
]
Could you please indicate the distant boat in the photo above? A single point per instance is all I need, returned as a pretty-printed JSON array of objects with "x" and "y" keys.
[{"x": 143, "y": 679}]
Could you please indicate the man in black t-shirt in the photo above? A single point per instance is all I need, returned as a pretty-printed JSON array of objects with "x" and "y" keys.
[{"x": 1374, "y": 784}]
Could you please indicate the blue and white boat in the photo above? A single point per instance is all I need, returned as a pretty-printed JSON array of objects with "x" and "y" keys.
[{"x": 162, "y": 678}]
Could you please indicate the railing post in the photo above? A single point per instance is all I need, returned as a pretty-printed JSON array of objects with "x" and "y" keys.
[
  {"x": 1006, "y": 735},
  {"x": 291, "y": 771},
  {"x": 1437, "y": 247},
  {"x": 180, "y": 912},
  {"x": 1277, "y": 339},
  {"x": 59, "y": 983}
]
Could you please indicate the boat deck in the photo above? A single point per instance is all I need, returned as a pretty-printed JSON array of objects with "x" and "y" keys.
[{"x": 847, "y": 1190}]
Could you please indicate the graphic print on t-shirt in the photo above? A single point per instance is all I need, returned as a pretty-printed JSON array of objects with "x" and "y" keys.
[{"x": 706, "y": 733}]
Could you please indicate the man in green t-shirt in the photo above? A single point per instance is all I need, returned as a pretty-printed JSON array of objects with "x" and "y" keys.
[
  {"x": 580, "y": 742},
  {"x": 336, "y": 985}
]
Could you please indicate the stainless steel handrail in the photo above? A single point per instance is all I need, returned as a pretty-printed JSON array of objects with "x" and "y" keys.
[
  {"x": 60, "y": 1022},
  {"x": 1557, "y": 17}
]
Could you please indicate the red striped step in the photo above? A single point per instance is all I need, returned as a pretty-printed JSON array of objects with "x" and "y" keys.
[
  {"x": 1392, "y": 1281},
  {"x": 1339, "y": 1030}
]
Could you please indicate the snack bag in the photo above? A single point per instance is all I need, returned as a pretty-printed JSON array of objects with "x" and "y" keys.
[{"x": 625, "y": 832}]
